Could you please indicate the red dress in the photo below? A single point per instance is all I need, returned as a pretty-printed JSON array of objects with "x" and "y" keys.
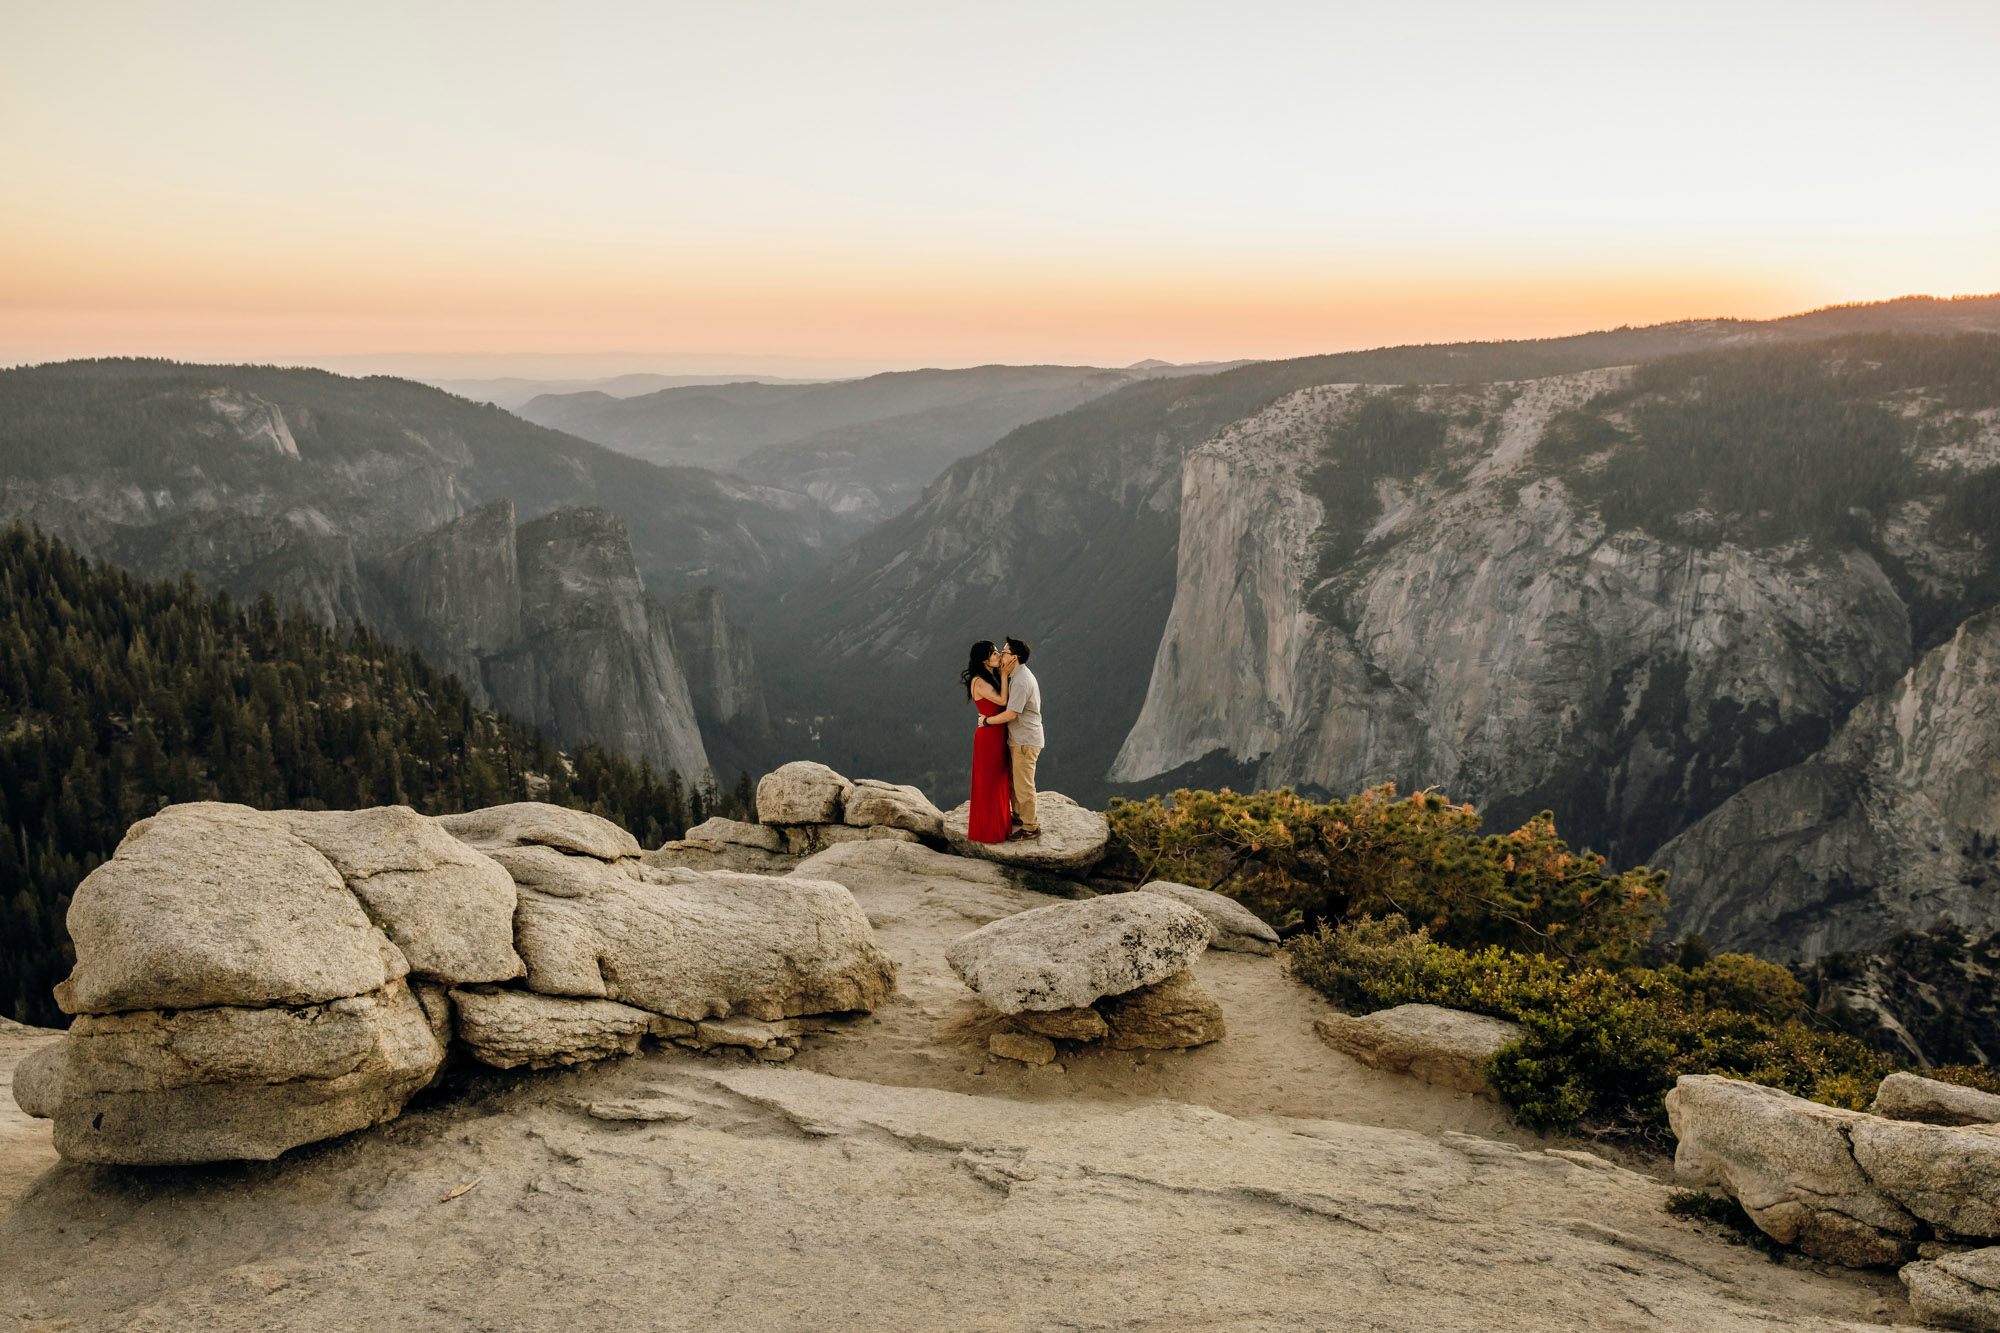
[{"x": 992, "y": 815}]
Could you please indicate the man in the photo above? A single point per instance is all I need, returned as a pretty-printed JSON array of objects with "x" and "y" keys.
[{"x": 1024, "y": 735}]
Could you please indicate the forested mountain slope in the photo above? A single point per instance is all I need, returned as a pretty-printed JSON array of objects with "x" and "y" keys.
[
  {"x": 354, "y": 498},
  {"x": 1065, "y": 533},
  {"x": 118, "y": 695}
]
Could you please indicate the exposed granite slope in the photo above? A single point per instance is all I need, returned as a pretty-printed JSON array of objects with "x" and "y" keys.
[{"x": 1894, "y": 825}]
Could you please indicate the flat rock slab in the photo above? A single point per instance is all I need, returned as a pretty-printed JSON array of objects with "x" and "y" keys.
[
  {"x": 222, "y": 1083},
  {"x": 738, "y": 831},
  {"x": 1073, "y": 838},
  {"x": 1438, "y": 1045},
  {"x": 1234, "y": 928},
  {"x": 696, "y": 854},
  {"x": 1066, "y": 955},
  {"x": 537, "y": 823},
  {"x": 643, "y": 1109},
  {"x": 1905, "y": 1096},
  {"x": 509, "y": 1028}
]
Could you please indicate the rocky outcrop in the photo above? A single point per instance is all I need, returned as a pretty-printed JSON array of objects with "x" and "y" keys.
[
  {"x": 1894, "y": 825},
  {"x": 871, "y": 803},
  {"x": 198, "y": 1085},
  {"x": 240, "y": 980},
  {"x": 1843, "y": 1186},
  {"x": 1067, "y": 955},
  {"x": 694, "y": 946},
  {"x": 455, "y": 592},
  {"x": 538, "y": 824},
  {"x": 447, "y": 908},
  {"x": 1169, "y": 1014},
  {"x": 1956, "y": 1290},
  {"x": 801, "y": 792},
  {"x": 1907, "y": 1096},
  {"x": 1444, "y": 1046},
  {"x": 209, "y": 904},
  {"x": 1232, "y": 927},
  {"x": 1074, "y": 838}
]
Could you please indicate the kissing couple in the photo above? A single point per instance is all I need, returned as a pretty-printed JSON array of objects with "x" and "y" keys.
[{"x": 1007, "y": 743}]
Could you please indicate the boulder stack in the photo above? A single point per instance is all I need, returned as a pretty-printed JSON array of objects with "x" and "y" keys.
[
  {"x": 803, "y": 808},
  {"x": 1112, "y": 970},
  {"x": 249, "y": 981},
  {"x": 1844, "y": 1186}
]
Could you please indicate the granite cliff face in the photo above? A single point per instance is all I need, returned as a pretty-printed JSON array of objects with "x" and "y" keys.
[
  {"x": 1584, "y": 593},
  {"x": 549, "y": 621},
  {"x": 1065, "y": 533},
  {"x": 1895, "y": 824}
]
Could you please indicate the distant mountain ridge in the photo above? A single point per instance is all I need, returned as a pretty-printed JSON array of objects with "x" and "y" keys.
[{"x": 304, "y": 483}]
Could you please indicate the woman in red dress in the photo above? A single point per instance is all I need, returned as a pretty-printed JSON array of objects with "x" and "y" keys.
[{"x": 992, "y": 815}]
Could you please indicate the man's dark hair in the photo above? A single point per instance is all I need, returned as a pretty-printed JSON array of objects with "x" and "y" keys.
[{"x": 1018, "y": 648}]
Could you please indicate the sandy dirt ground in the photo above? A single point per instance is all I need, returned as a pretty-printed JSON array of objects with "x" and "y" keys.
[{"x": 886, "y": 1179}]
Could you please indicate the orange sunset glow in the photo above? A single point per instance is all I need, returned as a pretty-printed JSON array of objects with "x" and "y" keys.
[{"x": 886, "y": 185}]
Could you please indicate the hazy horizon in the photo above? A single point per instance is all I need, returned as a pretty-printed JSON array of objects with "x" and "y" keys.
[{"x": 890, "y": 185}]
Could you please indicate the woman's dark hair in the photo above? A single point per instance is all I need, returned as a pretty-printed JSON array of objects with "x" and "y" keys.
[{"x": 976, "y": 667}]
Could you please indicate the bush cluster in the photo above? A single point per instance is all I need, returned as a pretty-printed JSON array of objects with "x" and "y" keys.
[
  {"x": 1296, "y": 862},
  {"x": 1601, "y": 1047}
]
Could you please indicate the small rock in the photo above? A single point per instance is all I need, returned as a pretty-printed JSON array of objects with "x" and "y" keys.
[
  {"x": 1066, "y": 955},
  {"x": 1235, "y": 928},
  {"x": 746, "y": 1032},
  {"x": 1167, "y": 1015},
  {"x": 525, "y": 823},
  {"x": 775, "y": 1054},
  {"x": 736, "y": 831},
  {"x": 1904, "y": 1096},
  {"x": 1027, "y": 1047},
  {"x": 645, "y": 1109},
  {"x": 1444, "y": 1046},
  {"x": 812, "y": 839},
  {"x": 1958, "y": 1290},
  {"x": 872, "y": 804},
  {"x": 801, "y": 792},
  {"x": 1082, "y": 1024},
  {"x": 510, "y": 1028}
]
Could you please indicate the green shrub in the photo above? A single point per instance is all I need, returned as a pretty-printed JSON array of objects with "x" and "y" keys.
[
  {"x": 1983, "y": 1077},
  {"x": 1601, "y": 1046},
  {"x": 1295, "y": 861}
]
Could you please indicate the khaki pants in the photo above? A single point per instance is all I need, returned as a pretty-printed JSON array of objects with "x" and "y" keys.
[{"x": 1024, "y": 757}]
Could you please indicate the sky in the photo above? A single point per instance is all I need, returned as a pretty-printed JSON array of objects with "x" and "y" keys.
[{"x": 584, "y": 188}]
